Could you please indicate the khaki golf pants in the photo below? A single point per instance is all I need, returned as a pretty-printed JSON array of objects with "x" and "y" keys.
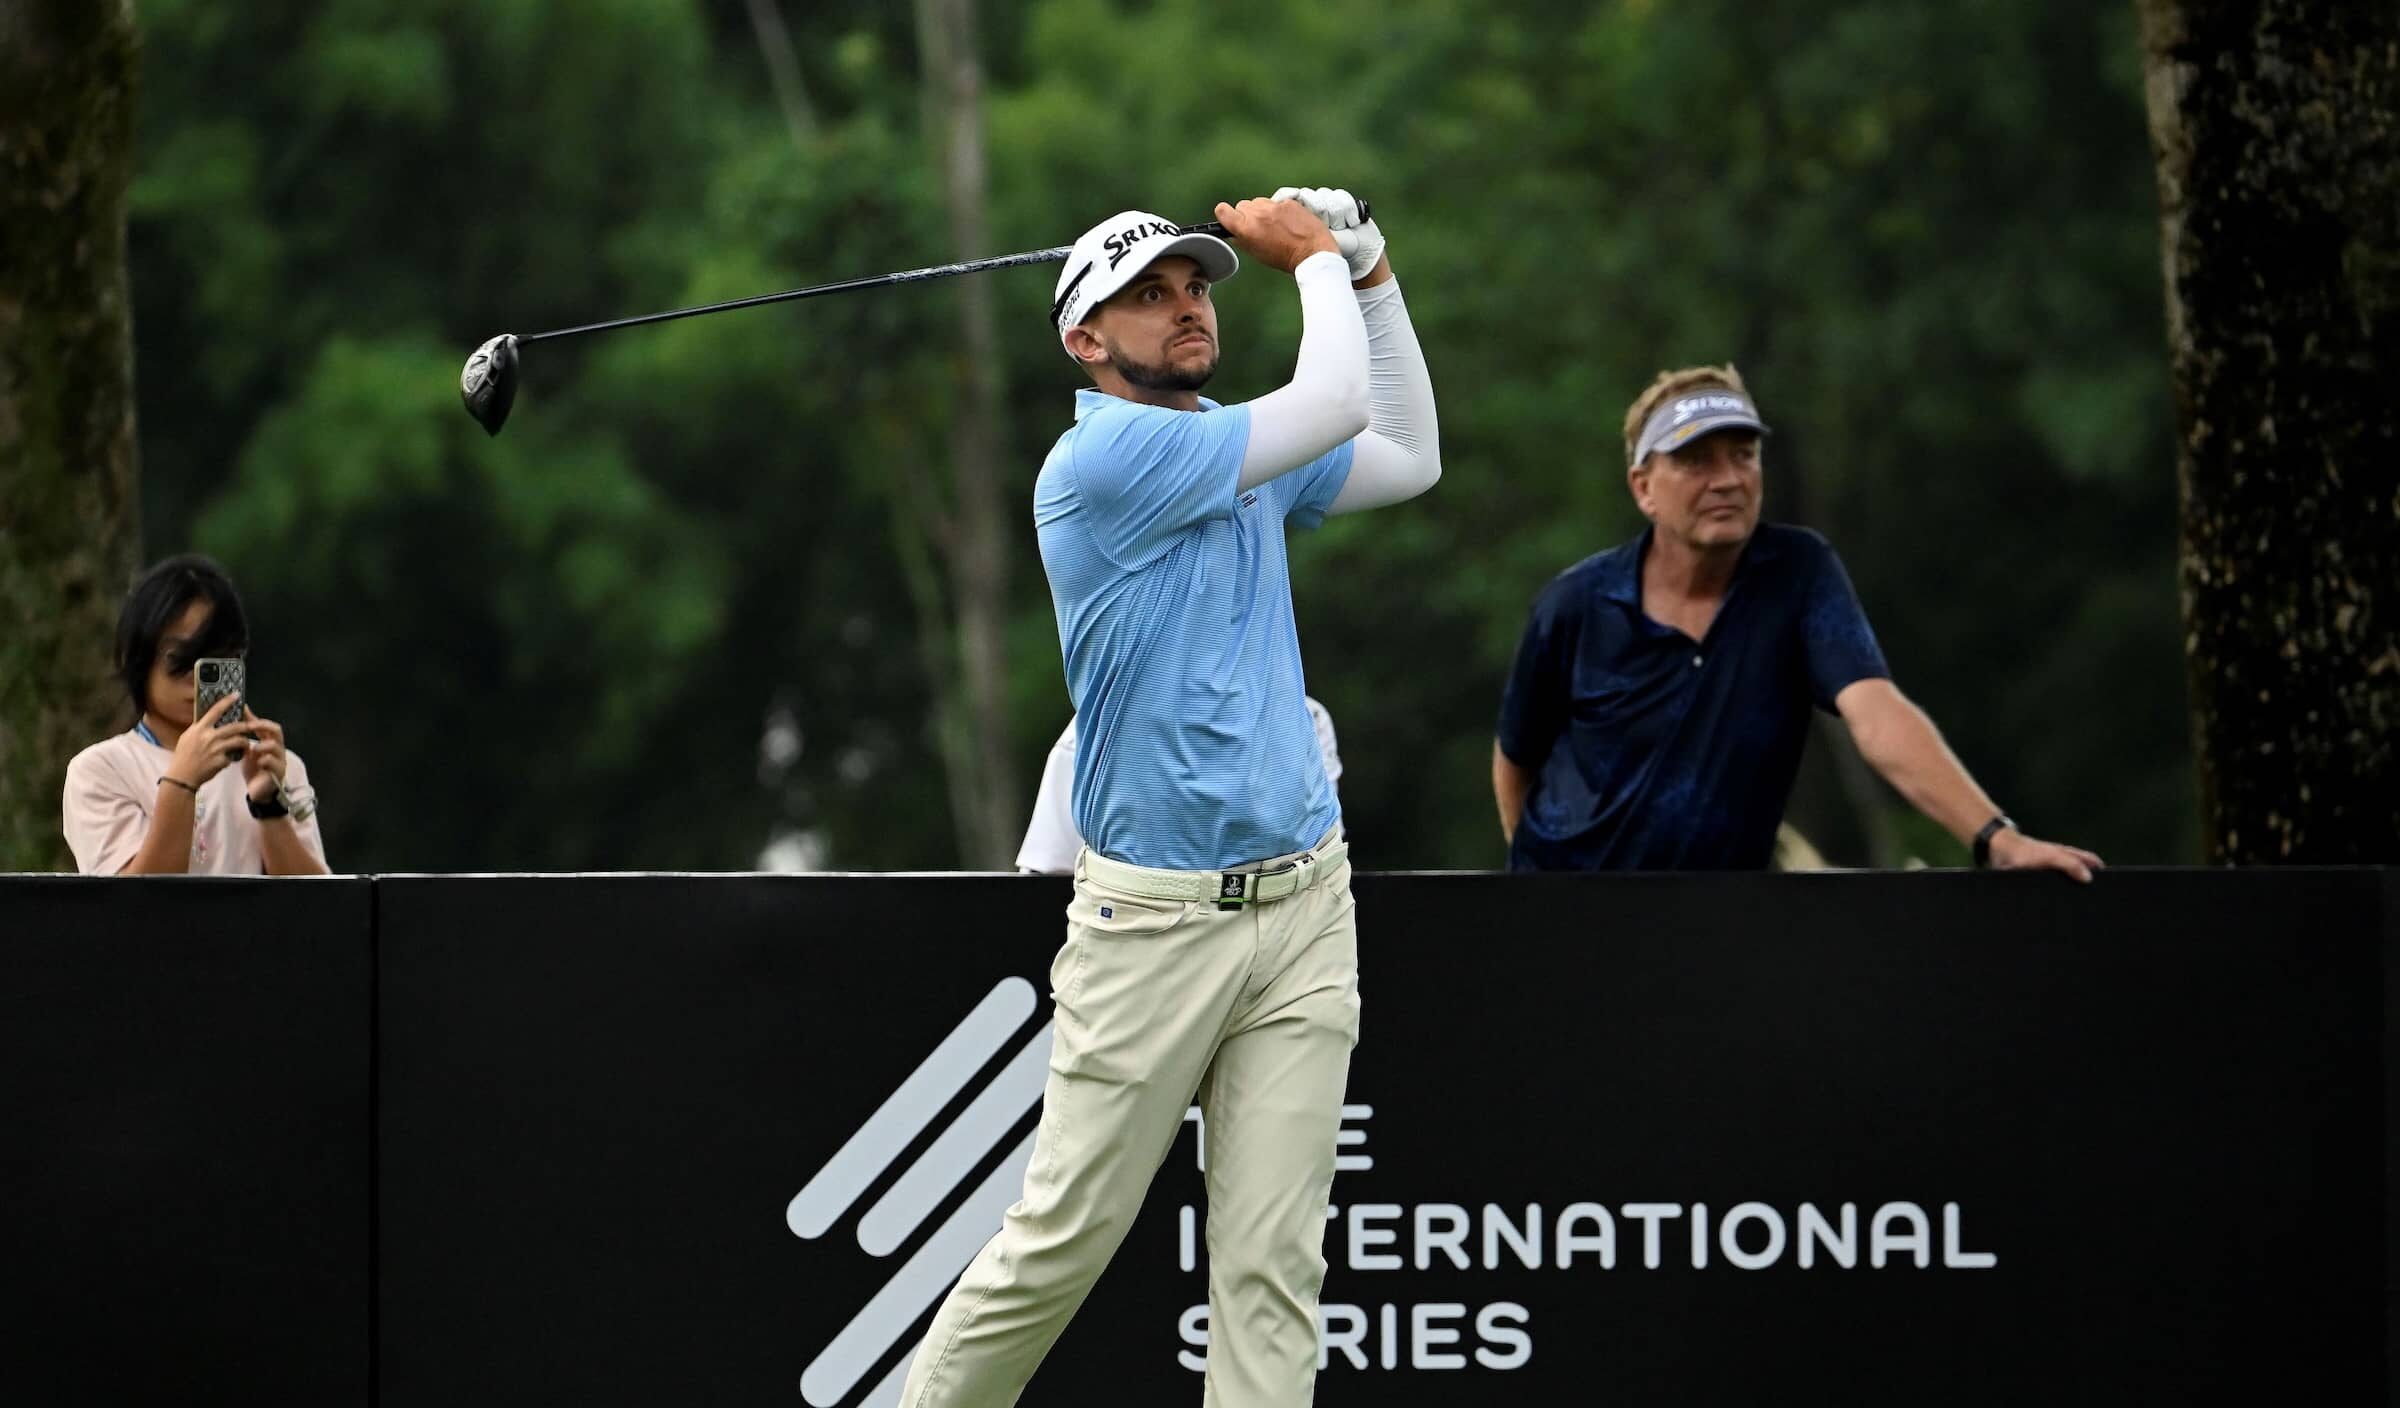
[{"x": 1254, "y": 1009}]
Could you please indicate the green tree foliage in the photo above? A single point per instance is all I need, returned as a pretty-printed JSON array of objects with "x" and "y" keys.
[{"x": 1924, "y": 232}]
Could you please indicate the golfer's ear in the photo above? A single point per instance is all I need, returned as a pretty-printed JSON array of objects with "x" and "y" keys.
[{"x": 1085, "y": 346}]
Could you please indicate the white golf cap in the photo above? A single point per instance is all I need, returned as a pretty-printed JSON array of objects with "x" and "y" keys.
[{"x": 1112, "y": 252}]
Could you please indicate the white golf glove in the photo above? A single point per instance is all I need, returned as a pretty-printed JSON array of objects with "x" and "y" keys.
[{"x": 1362, "y": 245}]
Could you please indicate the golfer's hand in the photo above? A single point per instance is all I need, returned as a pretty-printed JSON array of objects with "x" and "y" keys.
[
  {"x": 1279, "y": 233},
  {"x": 1339, "y": 210},
  {"x": 2013, "y": 850}
]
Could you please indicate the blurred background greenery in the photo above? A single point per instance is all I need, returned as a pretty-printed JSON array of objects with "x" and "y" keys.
[{"x": 687, "y": 612}]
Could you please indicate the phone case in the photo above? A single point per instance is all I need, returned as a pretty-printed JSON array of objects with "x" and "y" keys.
[{"x": 231, "y": 678}]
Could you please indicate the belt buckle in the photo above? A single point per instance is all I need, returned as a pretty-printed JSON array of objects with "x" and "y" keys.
[
  {"x": 1233, "y": 885},
  {"x": 1233, "y": 890}
]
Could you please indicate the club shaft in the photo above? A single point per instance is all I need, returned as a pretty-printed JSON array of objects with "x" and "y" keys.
[{"x": 905, "y": 276}]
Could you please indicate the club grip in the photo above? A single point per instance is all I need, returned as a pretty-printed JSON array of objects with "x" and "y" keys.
[{"x": 1344, "y": 240}]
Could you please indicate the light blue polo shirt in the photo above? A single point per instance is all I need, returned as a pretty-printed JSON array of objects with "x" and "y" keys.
[{"x": 1194, "y": 748}]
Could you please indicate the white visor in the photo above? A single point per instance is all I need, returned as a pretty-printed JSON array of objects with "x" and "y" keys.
[{"x": 1113, "y": 252}]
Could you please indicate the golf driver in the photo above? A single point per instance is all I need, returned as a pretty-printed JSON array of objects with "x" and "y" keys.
[{"x": 489, "y": 383}]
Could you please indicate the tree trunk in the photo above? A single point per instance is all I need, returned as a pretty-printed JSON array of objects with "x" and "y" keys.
[
  {"x": 2273, "y": 125},
  {"x": 69, "y": 526},
  {"x": 783, "y": 70},
  {"x": 975, "y": 723}
]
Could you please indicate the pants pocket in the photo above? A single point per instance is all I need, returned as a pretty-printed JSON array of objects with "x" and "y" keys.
[{"x": 1126, "y": 916}]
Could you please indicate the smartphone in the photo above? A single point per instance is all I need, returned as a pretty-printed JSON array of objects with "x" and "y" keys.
[{"x": 219, "y": 676}]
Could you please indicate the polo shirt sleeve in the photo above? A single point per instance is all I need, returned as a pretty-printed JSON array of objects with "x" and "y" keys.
[
  {"x": 312, "y": 837},
  {"x": 1147, "y": 474},
  {"x": 1535, "y": 705},
  {"x": 1833, "y": 626},
  {"x": 1314, "y": 486},
  {"x": 102, "y": 814}
]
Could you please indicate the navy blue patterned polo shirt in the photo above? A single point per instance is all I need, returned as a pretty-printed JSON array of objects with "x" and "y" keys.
[{"x": 1655, "y": 752}]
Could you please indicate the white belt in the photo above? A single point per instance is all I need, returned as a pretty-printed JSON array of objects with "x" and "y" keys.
[{"x": 1256, "y": 883}]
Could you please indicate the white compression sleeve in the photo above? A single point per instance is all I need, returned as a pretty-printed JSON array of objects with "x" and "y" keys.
[
  {"x": 1400, "y": 454},
  {"x": 1325, "y": 403}
]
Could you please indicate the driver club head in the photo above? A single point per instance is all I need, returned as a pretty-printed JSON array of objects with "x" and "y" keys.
[{"x": 489, "y": 383}]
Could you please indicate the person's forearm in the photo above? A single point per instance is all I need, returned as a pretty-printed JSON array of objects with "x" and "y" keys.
[
  {"x": 167, "y": 845},
  {"x": 1399, "y": 388},
  {"x": 285, "y": 854},
  {"x": 1325, "y": 403},
  {"x": 1908, "y": 751},
  {"x": 1399, "y": 455},
  {"x": 1510, "y": 786}
]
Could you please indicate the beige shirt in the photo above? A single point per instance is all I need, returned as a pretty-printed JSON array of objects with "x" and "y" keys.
[{"x": 112, "y": 790}]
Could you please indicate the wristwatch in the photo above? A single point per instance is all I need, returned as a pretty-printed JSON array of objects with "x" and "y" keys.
[
  {"x": 267, "y": 810},
  {"x": 1983, "y": 839}
]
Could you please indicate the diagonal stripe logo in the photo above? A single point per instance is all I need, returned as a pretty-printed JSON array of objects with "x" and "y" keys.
[{"x": 903, "y": 1209}]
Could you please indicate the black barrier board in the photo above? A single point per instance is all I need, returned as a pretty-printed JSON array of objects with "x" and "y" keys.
[
  {"x": 1937, "y": 1139},
  {"x": 2391, "y": 1130},
  {"x": 184, "y": 1141}
]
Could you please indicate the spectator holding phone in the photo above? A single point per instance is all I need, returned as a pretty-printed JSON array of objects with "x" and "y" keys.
[{"x": 215, "y": 794}]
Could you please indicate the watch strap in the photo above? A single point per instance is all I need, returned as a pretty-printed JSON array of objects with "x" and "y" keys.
[{"x": 1983, "y": 838}]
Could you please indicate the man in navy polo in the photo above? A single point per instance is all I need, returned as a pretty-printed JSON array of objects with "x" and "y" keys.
[{"x": 1660, "y": 697}]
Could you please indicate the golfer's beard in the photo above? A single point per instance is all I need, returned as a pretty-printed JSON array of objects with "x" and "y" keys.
[{"x": 1163, "y": 376}]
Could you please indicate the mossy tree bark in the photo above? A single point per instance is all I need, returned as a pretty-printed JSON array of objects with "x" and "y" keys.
[
  {"x": 69, "y": 521},
  {"x": 2276, "y": 128}
]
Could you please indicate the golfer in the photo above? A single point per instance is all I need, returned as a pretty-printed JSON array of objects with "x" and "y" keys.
[{"x": 1211, "y": 945}]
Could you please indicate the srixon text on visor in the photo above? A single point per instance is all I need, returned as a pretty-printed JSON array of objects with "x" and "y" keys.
[{"x": 1122, "y": 242}]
